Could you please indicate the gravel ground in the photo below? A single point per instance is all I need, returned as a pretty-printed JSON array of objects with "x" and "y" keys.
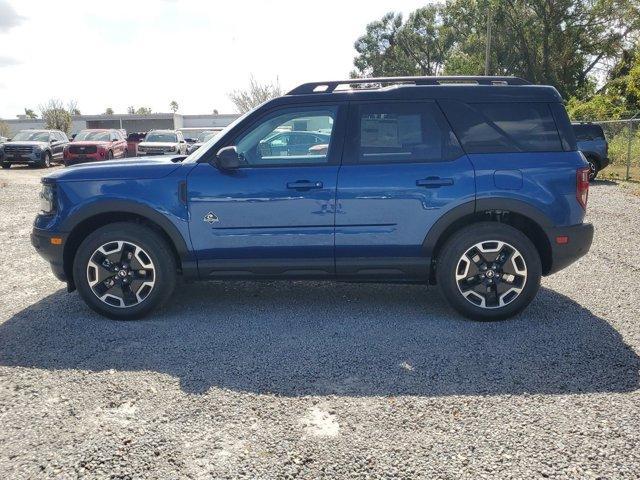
[{"x": 322, "y": 380}]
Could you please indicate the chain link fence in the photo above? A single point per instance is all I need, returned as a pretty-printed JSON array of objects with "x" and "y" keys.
[{"x": 623, "y": 137}]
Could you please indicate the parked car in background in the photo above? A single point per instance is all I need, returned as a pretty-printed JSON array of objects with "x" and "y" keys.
[
  {"x": 593, "y": 144},
  {"x": 92, "y": 145},
  {"x": 133, "y": 140},
  {"x": 34, "y": 147},
  {"x": 163, "y": 142},
  {"x": 293, "y": 143},
  {"x": 3, "y": 140},
  {"x": 203, "y": 137},
  {"x": 478, "y": 188}
]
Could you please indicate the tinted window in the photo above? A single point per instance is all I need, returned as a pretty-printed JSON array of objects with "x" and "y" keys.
[
  {"x": 503, "y": 127},
  {"x": 279, "y": 139},
  {"x": 588, "y": 132},
  {"x": 403, "y": 132}
]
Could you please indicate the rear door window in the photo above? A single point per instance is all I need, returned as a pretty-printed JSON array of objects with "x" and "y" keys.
[
  {"x": 503, "y": 127},
  {"x": 401, "y": 132}
]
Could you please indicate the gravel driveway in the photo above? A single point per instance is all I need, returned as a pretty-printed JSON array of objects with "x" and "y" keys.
[{"x": 322, "y": 380}]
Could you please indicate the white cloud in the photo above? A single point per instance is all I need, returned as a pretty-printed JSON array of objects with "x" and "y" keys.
[
  {"x": 8, "y": 17},
  {"x": 146, "y": 53}
]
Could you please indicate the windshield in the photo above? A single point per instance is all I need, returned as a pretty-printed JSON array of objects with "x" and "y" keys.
[
  {"x": 31, "y": 136},
  {"x": 161, "y": 137},
  {"x": 99, "y": 136},
  {"x": 195, "y": 156},
  {"x": 206, "y": 136}
]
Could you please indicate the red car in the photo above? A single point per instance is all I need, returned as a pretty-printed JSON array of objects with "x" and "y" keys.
[{"x": 93, "y": 145}]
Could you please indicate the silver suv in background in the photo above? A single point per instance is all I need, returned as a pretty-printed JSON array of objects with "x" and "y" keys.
[
  {"x": 163, "y": 142},
  {"x": 34, "y": 147}
]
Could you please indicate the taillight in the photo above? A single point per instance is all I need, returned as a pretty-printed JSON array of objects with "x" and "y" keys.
[
  {"x": 101, "y": 151},
  {"x": 65, "y": 153},
  {"x": 582, "y": 186}
]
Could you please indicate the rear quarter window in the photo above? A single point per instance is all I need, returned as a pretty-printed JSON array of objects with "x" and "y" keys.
[{"x": 503, "y": 127}]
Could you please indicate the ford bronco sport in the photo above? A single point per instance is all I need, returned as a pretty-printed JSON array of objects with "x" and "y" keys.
[{"x": 475, "y": 186}]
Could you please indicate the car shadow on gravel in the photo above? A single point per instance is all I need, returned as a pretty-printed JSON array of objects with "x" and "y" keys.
[{"x": 309, "y": 338}]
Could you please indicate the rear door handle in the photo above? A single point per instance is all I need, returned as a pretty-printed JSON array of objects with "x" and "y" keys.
[
  {"x": 434, "y": 182},
  {"x": 304, "y": 185}
]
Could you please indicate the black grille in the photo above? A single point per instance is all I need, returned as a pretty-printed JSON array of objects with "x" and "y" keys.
[
  {"x": 17, "y": 149},
  {"x": 82, "y": 149}
]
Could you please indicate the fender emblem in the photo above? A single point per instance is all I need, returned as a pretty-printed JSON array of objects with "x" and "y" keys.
[{"x": 211, "y": 218}]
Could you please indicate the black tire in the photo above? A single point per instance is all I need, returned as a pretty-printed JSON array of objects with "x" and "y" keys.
[
  {"x": 594, "y": 168},
  {"x": 158, "y": 251},
  {"x": 45, "y": 161},
  {"x": 451, "y": 258},
  {"x": 5, "y": 165}
]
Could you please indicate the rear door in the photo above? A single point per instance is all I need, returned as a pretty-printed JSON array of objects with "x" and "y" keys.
[
  {"x": 273, "y": 216},
  {"x": 402, "y": 170}
]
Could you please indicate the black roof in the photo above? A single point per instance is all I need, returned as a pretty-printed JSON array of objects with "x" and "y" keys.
[{"x": 468, "y": 89}]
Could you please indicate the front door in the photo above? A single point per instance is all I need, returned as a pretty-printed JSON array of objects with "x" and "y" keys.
[
  {"x": 402, "y": 170},
  {"x": 273, "y": 216}
]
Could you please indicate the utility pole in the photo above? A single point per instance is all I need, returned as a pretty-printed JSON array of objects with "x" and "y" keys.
[{"x": 487, "y": 53}]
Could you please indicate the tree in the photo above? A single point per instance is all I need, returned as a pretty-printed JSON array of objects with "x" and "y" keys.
[
  {"x": 108, "y": 111},
  {"x": 56, "y": 116},
  {"x": 254, "y": 95},
  {"x": 173, "y": 105},
  {"x": 560, "y": 42},
  {"x": 30, "y": 113},
  {"x": 131, "y": 110},
  {"x": 5, "y": 131},
  {"x": 215, "y": 111},
  {"x": 619, "y": 97},
  {"x": 143, "y": 111}
]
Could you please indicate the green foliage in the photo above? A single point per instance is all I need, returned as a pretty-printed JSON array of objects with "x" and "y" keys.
[
  {"x": 618, "y": 98},
  {"x": 108, "y": 111},
  {"x": 557, "y": 43},
  {"x": 173, "y": 105},
  {"x": 30, "y": 113}
]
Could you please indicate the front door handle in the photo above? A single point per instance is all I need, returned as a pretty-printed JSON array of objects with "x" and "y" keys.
[
  {"x": 304, "y": 185},
  {"x": 434, "y": 182}
]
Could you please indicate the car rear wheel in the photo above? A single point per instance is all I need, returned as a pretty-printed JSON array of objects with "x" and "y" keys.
[
  {"x": 124, "y": 271},
  {"x": 5, "y": 165},
  {"x": 489, "y": 271},
  {"x": 593, "y": 168}
]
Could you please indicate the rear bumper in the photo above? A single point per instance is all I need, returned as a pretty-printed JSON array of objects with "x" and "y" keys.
[
  {"x": 41, "y": 241},
  {"x": 579, "y": 242}
]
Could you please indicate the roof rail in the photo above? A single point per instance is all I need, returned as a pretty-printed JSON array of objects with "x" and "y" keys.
[{"x": 330, "y": 86}]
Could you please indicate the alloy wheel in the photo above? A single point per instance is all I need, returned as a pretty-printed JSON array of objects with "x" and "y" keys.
[
  {"x": 491, "y": 274},
  {"x": 121, "y": 274}
]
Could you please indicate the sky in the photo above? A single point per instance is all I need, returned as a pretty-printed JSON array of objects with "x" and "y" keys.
[{"x": 116, "y": 53}]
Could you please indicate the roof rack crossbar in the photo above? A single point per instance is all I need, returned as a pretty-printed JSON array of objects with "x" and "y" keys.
[{"x": 330, "y": 86}]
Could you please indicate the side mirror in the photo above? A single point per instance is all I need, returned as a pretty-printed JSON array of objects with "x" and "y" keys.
[
  {"x": 227, "y": 158},
  {"x": 52, "y": 141}
]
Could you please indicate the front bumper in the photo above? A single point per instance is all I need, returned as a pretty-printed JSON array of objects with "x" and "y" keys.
[
  {"x": 54, "y": 254},
  {"x": 578, "y": 244},
  {"x": 76, "y": 159},
  {"x": 24, "y": 159},
  {"x": 145, "y": 154}
]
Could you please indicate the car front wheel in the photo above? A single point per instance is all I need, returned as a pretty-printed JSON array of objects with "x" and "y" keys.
[
  {"x": 489, "y": 271},
  {"x": 124, "y": 271}
]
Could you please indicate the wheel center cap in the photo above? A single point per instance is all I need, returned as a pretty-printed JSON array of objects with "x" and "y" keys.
[
  {"x": 490, "y": 273},
  {"x": 123, "y": 273}
]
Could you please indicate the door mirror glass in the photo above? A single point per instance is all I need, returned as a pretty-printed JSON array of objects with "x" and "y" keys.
[{"x": 227, "y": 158}]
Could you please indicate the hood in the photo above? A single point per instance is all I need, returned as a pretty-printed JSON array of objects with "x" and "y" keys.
[
  {"x": 128, "y": 169},
  {"x": 89, "y": 142},
  {"x": 157, "y": 144},
  {"x": 27, "y": 143}
]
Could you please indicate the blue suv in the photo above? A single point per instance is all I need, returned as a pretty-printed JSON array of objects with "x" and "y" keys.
[{"x": 471, "y": 183}]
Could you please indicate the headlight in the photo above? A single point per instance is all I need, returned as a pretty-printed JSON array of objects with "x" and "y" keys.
[
  {"x": 48, "y": 198},
  {"x": 170, "y": 149},
  {"x": 37, "y": 148},
  {"x": 141, "y": 149}
]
